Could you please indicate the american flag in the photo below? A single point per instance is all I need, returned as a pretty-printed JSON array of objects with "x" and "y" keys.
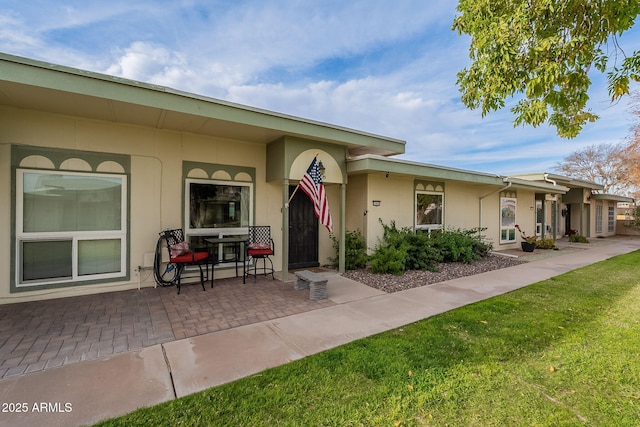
[{"x": 311, "y": 184}]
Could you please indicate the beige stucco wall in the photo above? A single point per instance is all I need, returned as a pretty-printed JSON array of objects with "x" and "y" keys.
[
  {"x": 396, "y": 204},
  {"x": 461, "y": 206},
  {"x": 357, "y": 208},
  {"x": 605, "y": 218},
  {"x": 156, "y": 183}
]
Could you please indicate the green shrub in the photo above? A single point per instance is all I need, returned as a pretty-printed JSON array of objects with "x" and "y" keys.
[
  {"x": 421, "y": 252},
  {"x": 457, "y": 245},
  {"x": 390, "y": 255},
  {"x": 545, "y": 244},
  {"x": 403, "y": 249},
  {"x": 389, "y": 260},
  {"x": 578, "y": 238},
  {"x": 355, "y": 251}
]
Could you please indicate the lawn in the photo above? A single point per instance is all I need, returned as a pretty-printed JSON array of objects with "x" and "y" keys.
[{"x": 563, "y": 352}]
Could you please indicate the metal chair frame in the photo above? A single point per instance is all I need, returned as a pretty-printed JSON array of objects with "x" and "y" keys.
[
  {"x": 197, "y": 258},
  {"x": 259, "y": 245}
]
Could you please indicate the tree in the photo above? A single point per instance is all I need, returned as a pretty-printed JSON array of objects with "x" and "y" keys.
[
  {"x": 605, "y": 164},
  {"x": 541, "y": 52},
  {"x": 631, "y": 152}
]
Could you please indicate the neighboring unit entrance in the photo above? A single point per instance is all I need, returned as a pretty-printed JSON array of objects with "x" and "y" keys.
[{"x": 303, "y": 232}]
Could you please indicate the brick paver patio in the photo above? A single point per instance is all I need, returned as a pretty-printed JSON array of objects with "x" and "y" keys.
[{"x": 47, "y": 334}]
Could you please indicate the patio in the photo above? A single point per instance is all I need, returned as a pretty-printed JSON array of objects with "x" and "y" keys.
[{"x": 35, "y": 336}]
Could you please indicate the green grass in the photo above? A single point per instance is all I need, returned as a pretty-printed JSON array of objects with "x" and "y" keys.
[{"x": 563, "y": 352}]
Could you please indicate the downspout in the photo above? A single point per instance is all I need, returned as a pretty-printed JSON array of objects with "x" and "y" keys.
[
  {"x": 554, "y": 212},
  {"x": 487, "y": 195},
  {"x": 285, "y": 230},
  {"x": 546, "y": 178}
]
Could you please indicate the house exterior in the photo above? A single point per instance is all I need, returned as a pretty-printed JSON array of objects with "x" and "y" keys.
[
  {"x": 93, "y": 167},
  {"x": 428, "y": 197},
  {"x": 583, "y": 209}
]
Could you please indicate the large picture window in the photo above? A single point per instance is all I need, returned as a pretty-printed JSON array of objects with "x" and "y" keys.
[
  {"x": 69, "y": 226},
  {"x": 429, "y": 210},
  {"x": 507, "y": 219},
  {"x": 217, "y": 208}
]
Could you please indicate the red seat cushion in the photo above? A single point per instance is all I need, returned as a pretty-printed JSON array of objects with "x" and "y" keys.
[
  {"x": 190, "y": 257},
  {"x": 256, "y": 246},
  {"x": 259, "y": 252}
]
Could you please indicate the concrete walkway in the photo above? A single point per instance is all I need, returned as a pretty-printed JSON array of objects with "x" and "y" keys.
[{"x": 87, "y": 392}]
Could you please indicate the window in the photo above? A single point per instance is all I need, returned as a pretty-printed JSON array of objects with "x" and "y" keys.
[
  {"x": 539, "y": 217},
  {"x": 429, "y": 210},
  {"x": 507, "y": 219},
  {"x": 599, "y": 217},
  {"x": 217, "y": 208},
  {"x": 69, "y": 226},
  {"x": 612, "y": 220}
]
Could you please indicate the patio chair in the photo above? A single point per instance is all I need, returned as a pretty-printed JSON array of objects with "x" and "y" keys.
[
  {"x": 181, "y": 256},
  {"x": 258, "y": 246}
]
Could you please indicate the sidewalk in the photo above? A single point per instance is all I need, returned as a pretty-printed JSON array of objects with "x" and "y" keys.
[{"x": 87, "y": 392}]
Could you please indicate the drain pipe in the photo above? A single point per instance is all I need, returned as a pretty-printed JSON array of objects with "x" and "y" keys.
[
  {"x": 507, "y": 179},
  {"x": 554, "y": 212},
  {"x": 546, "y": 178}
]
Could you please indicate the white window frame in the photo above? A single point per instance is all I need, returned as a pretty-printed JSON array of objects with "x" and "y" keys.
[
  {"x": 74, "y": 236},
  {"x": 599, "y": 209},
  {"x": 428, "y": 227},
  {"x": 509, "y": 231},
  {"x": 611, "y": 219},
  {"x": 219, "y": 231}
]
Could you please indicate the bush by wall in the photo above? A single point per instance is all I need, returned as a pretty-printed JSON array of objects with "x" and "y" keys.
[
  {"x": 403, "y": 249},
  {"x": 355, "y": 252},
  {"x": 578, "y": 238}
]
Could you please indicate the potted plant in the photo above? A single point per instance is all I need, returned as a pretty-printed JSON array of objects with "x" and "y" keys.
[{"x": 528, "y": 242}]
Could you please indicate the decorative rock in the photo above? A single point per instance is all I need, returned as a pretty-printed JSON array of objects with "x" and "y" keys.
[
  {"x": 301, "y": 284},
  {"x": 318, "y": 290},
  {"x": 316, "y": 283}
]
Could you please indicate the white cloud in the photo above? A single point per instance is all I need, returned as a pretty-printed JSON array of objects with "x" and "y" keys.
[
  {"x": 377, "y": 66},
  {"x": 152, "y": 63}
]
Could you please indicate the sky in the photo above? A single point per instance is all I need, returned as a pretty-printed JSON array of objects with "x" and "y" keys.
[{"x": 378, "y": 66}]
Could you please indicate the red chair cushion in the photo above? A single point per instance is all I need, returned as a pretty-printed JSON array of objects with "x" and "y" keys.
[
  {"x": 260, "y": 246},
  {"x": 190, "y": 257},
  {"x": 260, "y": 252}
]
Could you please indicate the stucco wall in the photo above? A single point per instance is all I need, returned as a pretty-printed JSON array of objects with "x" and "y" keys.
[
  {"x": 156, "y": 183},
  {"x": 395, "y": 195},
  {"x": 357, "y": 196},
  {"x": 461, "y": 206}
]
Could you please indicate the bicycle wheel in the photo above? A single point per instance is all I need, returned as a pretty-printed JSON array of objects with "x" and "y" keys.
[{"x": 165, "y": 272}]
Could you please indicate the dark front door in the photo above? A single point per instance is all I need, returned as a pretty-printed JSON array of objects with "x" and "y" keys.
[
  {"x": 567, "y": 220},
  {"x": 303, "y": 232}
]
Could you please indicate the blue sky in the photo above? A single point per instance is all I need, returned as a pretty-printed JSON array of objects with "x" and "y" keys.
[{"x": 378, "y": 66}]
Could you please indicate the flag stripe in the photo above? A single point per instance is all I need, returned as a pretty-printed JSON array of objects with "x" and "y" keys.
[{"x": 311, "y": 184}]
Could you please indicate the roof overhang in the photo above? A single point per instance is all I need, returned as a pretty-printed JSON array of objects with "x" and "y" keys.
[
  {"x": 374, "y": 164},
  {"x": 34, "y": 85},
  {"x": 369, "y": 164},
  {"x": 561, "y": 180},
  {"x": 537, "y": 186},
  {"x": 612, "y": 197}
]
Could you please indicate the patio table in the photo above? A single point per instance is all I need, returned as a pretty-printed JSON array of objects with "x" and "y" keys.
[{"x": 236, "y": 242}]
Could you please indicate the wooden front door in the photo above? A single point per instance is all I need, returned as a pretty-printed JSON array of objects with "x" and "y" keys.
[{"x": 303, "y": 232}]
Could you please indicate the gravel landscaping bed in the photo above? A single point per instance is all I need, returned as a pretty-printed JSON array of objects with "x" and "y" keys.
[{"x": 415, "y": 278}]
